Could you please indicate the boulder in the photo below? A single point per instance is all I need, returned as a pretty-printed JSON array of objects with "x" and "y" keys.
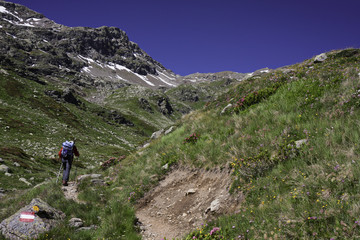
[
  {"x": 98, "y": 182},
  {"x": 91, "y": 227},
  {"x": 4, "y": 168},
  {"x": 190, "y": 191},
  {"x": 214, "y": 206},
  {"x": 44, "y": 218},
  {"x": 146, "y": 145},
  {"x": 157, "y": 134},
  {"x": 76, "y": 222},
  {"x": 24, "y": 181},
  {"x": 92, "y": 176},
  {"x": 320, "y": 58},
  {"x": 169, "y": 130},
  {"x": 165, "y": 167}
]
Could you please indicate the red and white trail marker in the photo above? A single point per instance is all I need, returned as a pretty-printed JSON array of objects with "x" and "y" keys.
[{"x": 27, "y": 217}]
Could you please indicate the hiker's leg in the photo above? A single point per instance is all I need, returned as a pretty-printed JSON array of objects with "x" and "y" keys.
[
  {"x": 67, "y": 167},
  {"x": 69, "y": 163}
]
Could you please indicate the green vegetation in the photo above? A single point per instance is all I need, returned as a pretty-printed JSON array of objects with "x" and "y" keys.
[
  {"x": 293, "y": 189},
  {"x": 307, "y": 191}
]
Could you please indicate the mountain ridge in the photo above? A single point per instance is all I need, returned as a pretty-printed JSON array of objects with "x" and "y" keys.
[{"x": 104, "y": 55}]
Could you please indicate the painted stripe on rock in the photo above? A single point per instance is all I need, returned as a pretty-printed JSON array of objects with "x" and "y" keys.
[{"x": 27, "y": 217}]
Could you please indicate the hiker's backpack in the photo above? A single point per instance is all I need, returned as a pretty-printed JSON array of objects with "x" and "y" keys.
[{"x": 67, "y": 150}]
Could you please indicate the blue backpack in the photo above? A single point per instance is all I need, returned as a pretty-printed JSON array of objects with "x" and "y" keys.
[{"x": 67, "y": 150}]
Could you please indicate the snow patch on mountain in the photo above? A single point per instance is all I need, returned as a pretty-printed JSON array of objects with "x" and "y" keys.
[
  {"x": 116, "y": 72},
  {"x": 20, "y": 21},
  {"x": 4, "y": 10},
  {"x": 85, "y": 59}
]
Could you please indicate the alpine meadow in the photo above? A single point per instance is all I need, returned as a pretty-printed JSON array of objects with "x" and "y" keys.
[{"x": 273, "y": 154}]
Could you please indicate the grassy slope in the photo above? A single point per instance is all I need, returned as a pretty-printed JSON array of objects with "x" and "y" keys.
[
  {"x": 33, "y": 126},
  {"x": 306, "y": 193},
  {"x": 309, "y": 192},
  {"x": 126, "y": 100}
]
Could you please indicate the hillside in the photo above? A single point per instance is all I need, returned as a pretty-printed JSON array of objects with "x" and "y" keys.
[
  {"x": 290, "y": 138},
  {"x": 288, "y": 142}
]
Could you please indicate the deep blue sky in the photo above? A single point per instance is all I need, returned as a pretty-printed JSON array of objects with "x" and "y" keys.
[{"x": 189, "y": 36}]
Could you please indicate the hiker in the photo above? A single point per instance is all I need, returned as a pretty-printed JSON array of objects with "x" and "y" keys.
[{"x": 66, "y": 154}]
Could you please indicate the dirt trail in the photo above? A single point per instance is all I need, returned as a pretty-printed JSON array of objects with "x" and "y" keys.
[
  {"x": 71, "y": 191},
  {"x": 183, "y": 201}
]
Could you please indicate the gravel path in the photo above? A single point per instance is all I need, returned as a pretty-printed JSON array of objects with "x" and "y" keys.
[{"x": 184, "y": 200}]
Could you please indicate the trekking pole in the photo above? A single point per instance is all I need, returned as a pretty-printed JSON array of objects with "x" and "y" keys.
[
  {"x": 57, "y": 178},
  {"x": 76, "y": 169}
]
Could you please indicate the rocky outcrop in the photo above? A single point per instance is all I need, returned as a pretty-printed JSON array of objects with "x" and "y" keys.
[
  {"x": 44, "y": 217},
  {"x": 66, "y": 96},
  {"x": 164, "y": 106},
  {"x": 69, "y": 97},
  {"x": 190, "y": 95},
  {"x": 157, "y": 134},
  {"x": 320, "y": 58},
  {"x": 144, "y": 104},
  {"x": 113, "y": 116},
  {"x": 169, "y": 130}
]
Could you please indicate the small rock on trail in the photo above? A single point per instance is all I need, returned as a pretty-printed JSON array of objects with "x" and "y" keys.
[{"x": 183, "y": 201}]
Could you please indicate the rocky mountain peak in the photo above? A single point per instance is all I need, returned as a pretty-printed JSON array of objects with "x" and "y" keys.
[
  {"x": 16, "y": 15},
  {"x": 101, "y": 59}
]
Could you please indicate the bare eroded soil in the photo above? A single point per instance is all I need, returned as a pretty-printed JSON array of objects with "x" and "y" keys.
[{"x": 183, "y": 201}]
